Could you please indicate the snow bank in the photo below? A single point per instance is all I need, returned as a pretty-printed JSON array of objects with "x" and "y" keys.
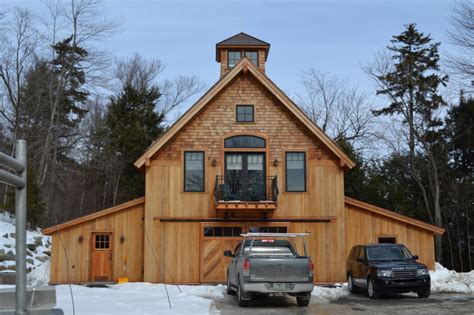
[
  {"x": 444, "y": 280},
  {"x": 138, "y": 298},
  {"x": 327, "y": 294},
  {"x": 40, "y": 275},
  {"x": 38, "y": 246}
]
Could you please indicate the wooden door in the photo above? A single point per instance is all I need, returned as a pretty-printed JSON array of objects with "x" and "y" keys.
[
  {"x": 218, "y": 237},
  {"x": 215, "y": 239},
  {"x": 101, "y": 257}
]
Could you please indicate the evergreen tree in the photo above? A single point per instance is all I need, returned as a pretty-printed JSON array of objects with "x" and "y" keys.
[
  {"x": 411, "y": 84},
  {"x": 132, "y": 125}
]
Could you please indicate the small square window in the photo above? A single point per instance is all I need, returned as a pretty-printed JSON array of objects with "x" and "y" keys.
[{"x": 244, "y": 113}]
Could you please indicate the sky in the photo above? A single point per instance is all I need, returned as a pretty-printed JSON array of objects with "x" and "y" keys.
[{"x": 334, "y": 36}]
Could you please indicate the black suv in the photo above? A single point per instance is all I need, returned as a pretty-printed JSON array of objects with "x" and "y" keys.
[{"x": 386, "y": 268}]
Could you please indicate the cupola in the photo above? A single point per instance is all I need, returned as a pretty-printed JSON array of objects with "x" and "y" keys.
[{"x": 231, "y": 50}]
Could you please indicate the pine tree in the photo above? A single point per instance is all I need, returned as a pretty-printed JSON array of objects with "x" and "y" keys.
[
  {"x": 132, "y": 125},
  {"x": 411, "y": 84}
]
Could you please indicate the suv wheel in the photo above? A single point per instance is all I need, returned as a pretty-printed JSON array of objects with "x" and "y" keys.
[
  {"x": 230, "y": 290},
  {"x": 423, "y": 294},
  {"x": 240, "y": 295},
  {"x": 371, "y": 289},
  {"x": 350, "y": 285}
]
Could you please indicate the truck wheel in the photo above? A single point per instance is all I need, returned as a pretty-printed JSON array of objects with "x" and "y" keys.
[
  {"x": 423, "y": 294},
  {"x": 230, "y": 290},
  {"x": 373, "y": 294},
  {"x": 240, "y": 295},
  {"x": 303, "y": 301},
  {"x": 350, "y": 285}
]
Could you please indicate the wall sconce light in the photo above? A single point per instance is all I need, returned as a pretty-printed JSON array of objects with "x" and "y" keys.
[
  {"x": 275, "y": 162},
  {"x": 80, "y": 239},
  {"x": 122, "y": 239},
  {"x": 214, "y": 162}
]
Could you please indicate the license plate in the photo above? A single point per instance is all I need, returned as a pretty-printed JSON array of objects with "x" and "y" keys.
[{"x": 280, "y": 286}]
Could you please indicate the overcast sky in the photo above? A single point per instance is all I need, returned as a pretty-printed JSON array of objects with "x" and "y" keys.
[{"x": 334, "y": 36}]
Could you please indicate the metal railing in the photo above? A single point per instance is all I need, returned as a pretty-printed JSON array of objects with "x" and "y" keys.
[
  {"x": 239, "y": 189},
  {"x": 18, "y": 180}
]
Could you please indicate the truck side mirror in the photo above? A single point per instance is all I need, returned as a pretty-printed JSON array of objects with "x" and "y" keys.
[
  {"x": 361, "y": 259},
  {"x": 228, "y": 253},
  {"x": 415, "y": 257}
]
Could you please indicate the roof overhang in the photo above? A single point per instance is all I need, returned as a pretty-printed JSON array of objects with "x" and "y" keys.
[
  {"x": 245, "y": 66},
  {"x": 393, "y": 215}
]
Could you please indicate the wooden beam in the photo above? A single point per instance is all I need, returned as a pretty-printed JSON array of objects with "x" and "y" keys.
[{"x": 326, "y": 219}]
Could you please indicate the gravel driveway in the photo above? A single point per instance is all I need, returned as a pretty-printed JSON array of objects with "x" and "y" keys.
[{"x": 453, "y": 304}]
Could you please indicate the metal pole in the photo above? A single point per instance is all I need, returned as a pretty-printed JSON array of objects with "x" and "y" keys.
[
  {"x": 11, "y": 179},
  {"x": 20, "y": 215}
]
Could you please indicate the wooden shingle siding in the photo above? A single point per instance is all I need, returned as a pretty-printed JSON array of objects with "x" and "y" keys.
[{"x": 218, "y": 119}]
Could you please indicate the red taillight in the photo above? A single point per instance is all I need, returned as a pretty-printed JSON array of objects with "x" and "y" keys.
[
  {"x": 246, "y": 268},
  {"x": 311, "y": 268},
  {"x": 246, "y": 265}
]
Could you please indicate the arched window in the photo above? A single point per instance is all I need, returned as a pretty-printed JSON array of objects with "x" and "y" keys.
[{"x": 244, "y": 142}]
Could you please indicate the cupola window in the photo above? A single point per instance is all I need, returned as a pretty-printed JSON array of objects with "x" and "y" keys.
[
  {"x": 234, "y": 57},
  {"x": 253, "y": 57}
]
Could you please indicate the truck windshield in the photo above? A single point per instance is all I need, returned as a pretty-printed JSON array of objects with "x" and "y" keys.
[
  {"x": 259, "y": 250},
  {"x": 388, "y": 253}
]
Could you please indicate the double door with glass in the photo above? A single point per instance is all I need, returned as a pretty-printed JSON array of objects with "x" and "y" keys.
[{"x": 245, "y": 176}]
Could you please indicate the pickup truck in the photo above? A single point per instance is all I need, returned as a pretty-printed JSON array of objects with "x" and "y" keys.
[{"x": 262, "y": 264}]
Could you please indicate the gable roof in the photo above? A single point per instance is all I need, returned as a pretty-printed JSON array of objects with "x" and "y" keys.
[
  {"x": 393, "y": 215},
  {"x": 95, "y": 215},
  {"x": 242, "y": 40},
  {"x": 247, "y": 67}
]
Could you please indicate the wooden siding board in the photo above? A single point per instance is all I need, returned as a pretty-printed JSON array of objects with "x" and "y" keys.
[{"x": 76, "y": 266}]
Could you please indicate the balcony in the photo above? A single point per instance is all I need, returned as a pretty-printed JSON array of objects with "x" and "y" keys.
[{"x": 246, "y": 194}]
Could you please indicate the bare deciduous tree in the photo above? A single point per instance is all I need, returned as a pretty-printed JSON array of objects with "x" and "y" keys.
[
  {"x": 141, "y": 73},
  {"x": 341, "y": 111},
  {"x": 15, "y": 58},
  {"x": 461, "y": 35},
  {"x": 137, "y": 71}
]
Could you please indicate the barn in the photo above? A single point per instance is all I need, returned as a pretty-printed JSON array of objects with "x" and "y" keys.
[{"x": 243, "y": 158}]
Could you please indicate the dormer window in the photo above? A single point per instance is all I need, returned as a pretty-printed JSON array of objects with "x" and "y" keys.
[{"x": 234, "y": 57}]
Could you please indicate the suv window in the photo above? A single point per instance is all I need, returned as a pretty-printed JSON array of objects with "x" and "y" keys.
[
  {"x": 361, "y": 252},
  {"x": 388, "y": 253}
]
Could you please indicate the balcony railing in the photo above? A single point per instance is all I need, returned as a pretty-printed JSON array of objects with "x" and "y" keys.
[{"x": 239, "y": 189}]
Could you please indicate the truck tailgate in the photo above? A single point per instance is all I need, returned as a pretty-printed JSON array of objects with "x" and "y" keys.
[{"x": 279, "y": 269}]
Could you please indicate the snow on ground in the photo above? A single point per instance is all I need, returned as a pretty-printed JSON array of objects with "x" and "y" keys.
[
  {"x": 138, "y": 298},
  {"x": 38, "y": 246},
  {"x": 445, "y": 280},
  {"x": 323, "y": 294}
]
